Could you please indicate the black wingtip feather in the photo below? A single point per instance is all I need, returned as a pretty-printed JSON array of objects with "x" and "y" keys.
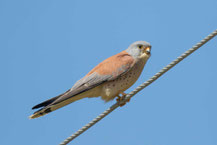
[
  {"x": 45, "y": 103},
  {"x": 48, "y": 102}
]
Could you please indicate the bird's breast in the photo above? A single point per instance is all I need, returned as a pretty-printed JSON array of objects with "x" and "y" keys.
[{"x": 112, "y": 88}]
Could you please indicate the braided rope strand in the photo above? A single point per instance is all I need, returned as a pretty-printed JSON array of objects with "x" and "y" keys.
[{"x": 140, "y": 87}]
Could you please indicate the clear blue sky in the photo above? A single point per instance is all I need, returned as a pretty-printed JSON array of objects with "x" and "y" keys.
[{"x": 46, "y": 46}]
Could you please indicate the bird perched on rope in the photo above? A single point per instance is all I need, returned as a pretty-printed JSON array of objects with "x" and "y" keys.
[{"x": 108, "y": 79}]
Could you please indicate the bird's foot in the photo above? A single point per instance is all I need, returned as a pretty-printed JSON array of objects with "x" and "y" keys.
[{"x": 120, "y": 98}]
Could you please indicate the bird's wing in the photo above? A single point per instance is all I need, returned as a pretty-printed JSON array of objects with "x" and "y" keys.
[{"x": 108, "y": 70}]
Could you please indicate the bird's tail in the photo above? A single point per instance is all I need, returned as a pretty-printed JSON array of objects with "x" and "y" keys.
[{"x": 53, "y": 104}]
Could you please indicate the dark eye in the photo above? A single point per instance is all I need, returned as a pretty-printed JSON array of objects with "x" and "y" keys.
[{"x": 140, "y": 46}]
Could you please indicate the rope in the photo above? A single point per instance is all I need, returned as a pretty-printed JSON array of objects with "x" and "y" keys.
[{"x": 139, "y": 88}]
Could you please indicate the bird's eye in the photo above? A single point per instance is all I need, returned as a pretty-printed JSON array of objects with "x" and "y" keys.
[{"x": 140, "y": 46}]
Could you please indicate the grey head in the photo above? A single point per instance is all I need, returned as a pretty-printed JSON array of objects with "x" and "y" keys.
[{"x": 139, "y": 49}]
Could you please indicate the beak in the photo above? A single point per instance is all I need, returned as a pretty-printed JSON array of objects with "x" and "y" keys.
[{"x": 148, "y": 50}]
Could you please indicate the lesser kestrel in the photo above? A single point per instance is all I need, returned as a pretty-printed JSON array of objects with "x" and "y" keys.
[{"x": 108, "y": 79}]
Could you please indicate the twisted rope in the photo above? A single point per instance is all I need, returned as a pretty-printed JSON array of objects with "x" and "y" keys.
[{"x": 139, "y": 88}]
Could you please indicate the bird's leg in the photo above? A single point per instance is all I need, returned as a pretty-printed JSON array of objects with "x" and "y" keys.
[{"x": 120, "y": 98}]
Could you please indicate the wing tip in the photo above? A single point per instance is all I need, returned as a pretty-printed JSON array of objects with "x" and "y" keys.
[
  {"x": 35, "y": 107},
  {"x": 39, "y": 106},
  {"x": 49, "y": 101}
]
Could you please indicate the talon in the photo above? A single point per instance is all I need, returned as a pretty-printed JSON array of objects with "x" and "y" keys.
[
  {"x": 123, "y": 94},
  {"x": 121, "y": 105},
  {"x": 120, "y": 98},
  {"x": 128, "y": 100}
]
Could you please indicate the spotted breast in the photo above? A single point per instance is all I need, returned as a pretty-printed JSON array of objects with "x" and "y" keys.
[{"x": 113, "y": 88}]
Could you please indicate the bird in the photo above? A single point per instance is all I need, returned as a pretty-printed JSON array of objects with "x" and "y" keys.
[{"x": 108, "y": 80}]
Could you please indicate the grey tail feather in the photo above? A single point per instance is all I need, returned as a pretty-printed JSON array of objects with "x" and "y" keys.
[
  {"x": 45, "y": 107},
  {"x": 40, "y": 112}
]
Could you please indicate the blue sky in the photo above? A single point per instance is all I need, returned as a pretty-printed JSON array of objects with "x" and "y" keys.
[{"x": 46, "y": 46}]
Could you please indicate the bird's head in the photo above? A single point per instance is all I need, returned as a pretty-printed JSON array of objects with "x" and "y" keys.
[{"x": 140, "y": 50}]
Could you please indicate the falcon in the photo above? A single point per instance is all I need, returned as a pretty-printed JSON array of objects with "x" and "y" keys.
[{"x": 107, "y": 80}]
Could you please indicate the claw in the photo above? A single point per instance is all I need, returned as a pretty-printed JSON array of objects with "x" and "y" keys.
[{"x": 120, "y": 98}]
